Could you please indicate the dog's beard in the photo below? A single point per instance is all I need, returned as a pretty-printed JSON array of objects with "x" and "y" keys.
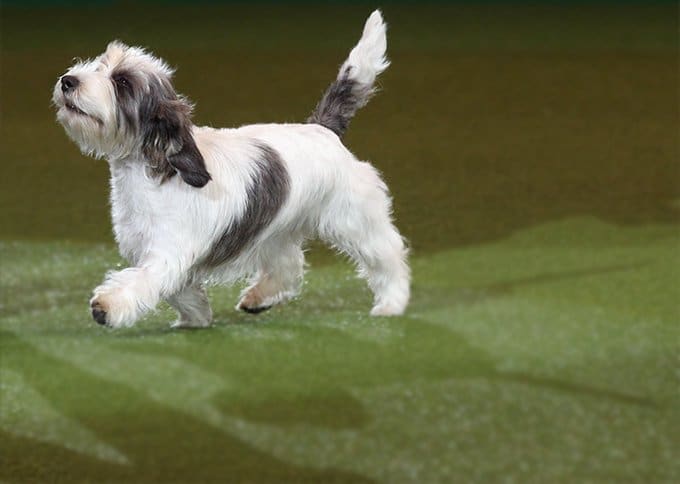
[
  {"x": 89, "y": 123},
  {"x": 93, "y": 136},
  {"x": 85, "y": 131}
]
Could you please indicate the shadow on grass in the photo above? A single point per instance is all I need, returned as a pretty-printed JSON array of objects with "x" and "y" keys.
[
  {"x": 508, "y": 287},
  {"x": 468, "y": 295},
  {"x": 308, "y": 379},
  {"x": 163, "y": 445},
  {"x": 335, "y": 410},
  {"x": 574, "y": 388}
]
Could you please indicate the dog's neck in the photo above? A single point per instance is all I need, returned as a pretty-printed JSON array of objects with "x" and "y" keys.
[{"x": 129, "y": 165}]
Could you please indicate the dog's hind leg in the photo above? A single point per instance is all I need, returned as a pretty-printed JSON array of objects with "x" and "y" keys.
[
  {"x": 380, "y": 255},
  {"x": 359, "y": 224},
  {"x": 383, "y": 262},
  {"x": 279, "y": 278},
  {"x": 192, "y": 306}
]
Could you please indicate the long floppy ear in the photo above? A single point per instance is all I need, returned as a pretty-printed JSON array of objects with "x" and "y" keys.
[{"x": 167, "y": 141}]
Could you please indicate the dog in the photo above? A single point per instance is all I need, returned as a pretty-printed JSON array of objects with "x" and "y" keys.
[{"x": 193, "y": 206}]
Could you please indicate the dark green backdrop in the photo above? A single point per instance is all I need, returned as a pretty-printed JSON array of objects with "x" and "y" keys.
[{"x": 491, "y": 117}]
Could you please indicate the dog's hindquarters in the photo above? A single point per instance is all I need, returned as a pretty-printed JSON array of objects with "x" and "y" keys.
[
  {"x": 353, "y": 217},
  {"x": 357, "y": 219},
  {"x": 358, "y": 222},
  {"x": 337, "y": 198}
]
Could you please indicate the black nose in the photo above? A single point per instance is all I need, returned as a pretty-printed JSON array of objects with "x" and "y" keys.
[{"x": 69, "y": 83}]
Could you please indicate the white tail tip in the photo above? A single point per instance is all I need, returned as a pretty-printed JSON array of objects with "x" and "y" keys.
[{"x": 367, "y": 58}]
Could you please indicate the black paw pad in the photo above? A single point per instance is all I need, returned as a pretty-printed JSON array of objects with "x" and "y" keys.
[
  {"x": 99, "y": 315},
  {"x": 254, "y": 310}
]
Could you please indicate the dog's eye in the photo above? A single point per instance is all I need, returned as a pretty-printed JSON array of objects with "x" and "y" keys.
[{"x": 122, "y": 81}]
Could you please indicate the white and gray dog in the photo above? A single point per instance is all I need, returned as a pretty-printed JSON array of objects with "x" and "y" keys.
[{"x": 196, "y": 205}]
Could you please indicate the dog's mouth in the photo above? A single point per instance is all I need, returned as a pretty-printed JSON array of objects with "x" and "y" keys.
[{"x": 74, "y": 109}]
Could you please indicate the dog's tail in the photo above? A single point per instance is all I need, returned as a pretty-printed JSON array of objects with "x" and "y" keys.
[{"x": 354, "y": 85}]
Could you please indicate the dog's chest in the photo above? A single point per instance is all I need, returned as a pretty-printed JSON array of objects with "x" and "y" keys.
[{"x": 133, "y": 210}]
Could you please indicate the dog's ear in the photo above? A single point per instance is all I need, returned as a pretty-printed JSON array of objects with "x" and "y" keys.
[{"x": 167, "y": 140}]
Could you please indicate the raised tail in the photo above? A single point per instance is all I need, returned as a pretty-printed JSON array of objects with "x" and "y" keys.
[{"x": 354, "y": 85}]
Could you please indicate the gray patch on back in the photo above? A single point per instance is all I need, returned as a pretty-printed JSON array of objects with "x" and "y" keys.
[
  {"x": 340, "y": 102},
  {"x": 267, "y": 193}
]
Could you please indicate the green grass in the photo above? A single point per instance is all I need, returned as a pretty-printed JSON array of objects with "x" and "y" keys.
[{"x": 549, "y": 356}]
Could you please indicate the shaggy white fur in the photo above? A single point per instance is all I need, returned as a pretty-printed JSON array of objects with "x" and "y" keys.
[{"x": 196, "y": 205}]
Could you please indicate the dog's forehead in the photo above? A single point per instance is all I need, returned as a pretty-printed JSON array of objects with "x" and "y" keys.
[{"x": 120, "y": 56}]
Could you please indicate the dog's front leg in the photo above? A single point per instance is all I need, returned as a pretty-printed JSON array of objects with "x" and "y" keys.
[{"x": 126, "y": 295}]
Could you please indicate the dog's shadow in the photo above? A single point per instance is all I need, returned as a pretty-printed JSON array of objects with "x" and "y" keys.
[
  {"x": 406, "y": 351},
  {"x": 162, "y": 444}
]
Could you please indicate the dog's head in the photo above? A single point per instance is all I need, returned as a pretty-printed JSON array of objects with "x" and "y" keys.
[{"x": 122, "y": 104}]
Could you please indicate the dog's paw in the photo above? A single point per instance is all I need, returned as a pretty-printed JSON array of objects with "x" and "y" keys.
[
  {"x": 183, "y": 324},
  {"x": 98, "y": 312},
  {"x": 254, "y": 302},
  {"x": 111, "y": 308},
  {"x": 387, "y": 310}
]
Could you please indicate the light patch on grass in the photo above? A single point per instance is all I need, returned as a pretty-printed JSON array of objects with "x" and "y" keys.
[
  {"x": 26, "y": 413},
  {"x": 167, "y": 380}
]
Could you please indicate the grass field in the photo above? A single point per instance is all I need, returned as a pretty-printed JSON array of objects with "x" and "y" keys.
[
  {"x": 550, "y": 356},
  {"x": 534, "y": 160}
]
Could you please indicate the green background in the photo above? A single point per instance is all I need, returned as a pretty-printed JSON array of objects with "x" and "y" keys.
[{"x": 532, "y": 151}]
